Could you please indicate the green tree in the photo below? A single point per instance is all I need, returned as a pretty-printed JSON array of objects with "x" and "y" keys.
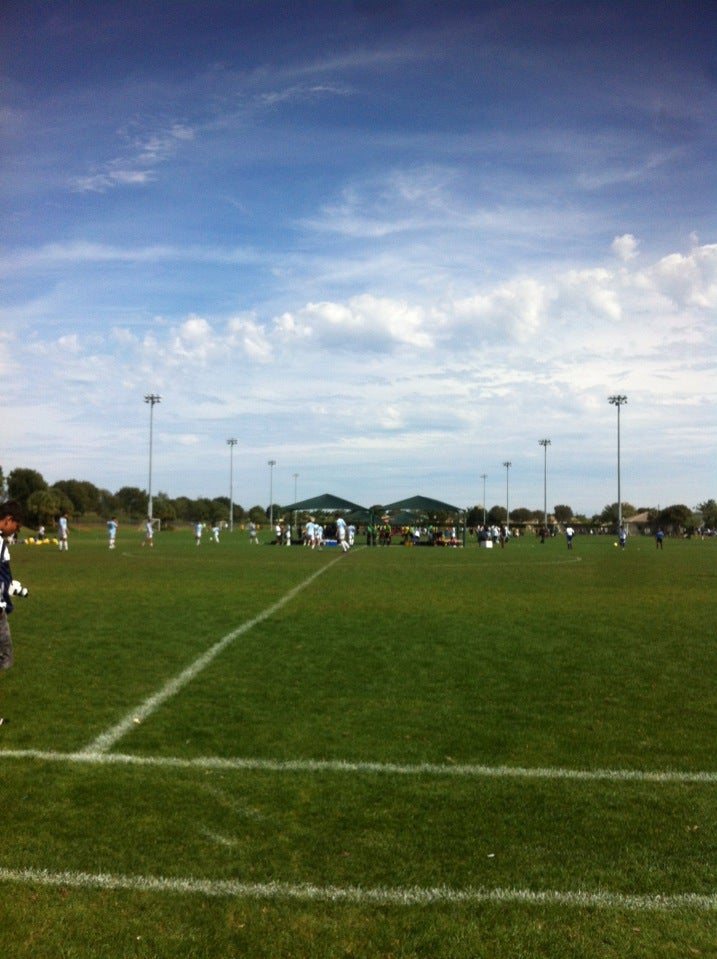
[
  {"x": 496, "y": 515},
  {"x": 562, "y": 513},
  {"x": 203, "y": 510},
  {"x": 521, "y": 515},
  {"x": 258, "y": 515},
  {"x": 708, "y": 509},
  {"x": 220, "y": 508},
  {"x": 22, "y": 483},
  {"x": 474, "y": 517},
  {"x": 163, "y": 508},
  {"x": 133, "y": 501},
  {"x": 610, "y": 513},
  {"x": 675, "y": 518},
  {"x": 45, "y": 505},
  {"x": 184, "y": 508},
  {"x": 106, "y": 503},
  {"x": 84, "y": 495}
]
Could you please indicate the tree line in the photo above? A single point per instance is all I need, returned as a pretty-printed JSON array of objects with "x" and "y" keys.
[
  {"x": 43, "y": 503},
  {"x": 80, "y": 499},
  {"x": 674, "y": 518}
]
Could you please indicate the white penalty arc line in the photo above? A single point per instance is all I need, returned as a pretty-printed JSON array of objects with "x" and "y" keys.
[
  {"x": 340, "y": 766},
  {"x": 107, "y": 739},
  {"x": 358, "y": 895}
]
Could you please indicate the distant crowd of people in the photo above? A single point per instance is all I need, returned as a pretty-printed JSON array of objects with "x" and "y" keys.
[{"x": 315, "y": 535}]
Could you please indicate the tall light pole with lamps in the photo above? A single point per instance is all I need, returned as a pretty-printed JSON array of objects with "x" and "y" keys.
[
  {"x": 507, "y": 465},
  {"x": 618, "y": 401},
  {"x": 271, "y": 464},
  {"x": 152, "y": 399},
  {"x": 483, "y": 476},
  {"x": 545, "y": 444},
  {"x": 231, "y": 443}
]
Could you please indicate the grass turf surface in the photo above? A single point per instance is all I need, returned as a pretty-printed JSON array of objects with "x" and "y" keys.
[{"x": 375, "y": 710}]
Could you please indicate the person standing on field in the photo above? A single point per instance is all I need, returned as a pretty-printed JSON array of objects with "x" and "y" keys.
[
  {"x": 341, "y": 533},
  {"x": 148, "y": 533},
  {"x": 10, "y": 522},
  {"x": 62, "y": 533},
  {"x": 112, "y": 531},
  {"x": 569, "y": 533}
]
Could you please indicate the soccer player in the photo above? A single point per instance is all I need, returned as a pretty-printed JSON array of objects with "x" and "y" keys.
[
  {"x": 10, "y": 522},
  {"x": 148, "y": 533},
  {"x": 112, "y": 531},
  {"x": 62, "y": 533}
]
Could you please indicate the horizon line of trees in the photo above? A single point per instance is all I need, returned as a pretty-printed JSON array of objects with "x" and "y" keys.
[
  {"x": 43, "y": 504},
  {"x": 674, "y": 517}
]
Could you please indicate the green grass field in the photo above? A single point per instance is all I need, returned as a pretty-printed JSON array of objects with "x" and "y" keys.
[{"x": 226, "y": 751}]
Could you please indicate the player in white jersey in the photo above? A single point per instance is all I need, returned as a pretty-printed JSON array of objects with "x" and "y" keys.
[
  {"x": 112, "y": 531},
  {"x": 309, "y": 534},
  {"x": 341, "y": 533}
]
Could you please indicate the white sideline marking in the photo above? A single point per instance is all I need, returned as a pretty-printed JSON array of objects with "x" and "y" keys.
[
  {"x": 107, "y": 739},
  {"x": 395, "y": 896},
  {"x": 464, "y": 771}
]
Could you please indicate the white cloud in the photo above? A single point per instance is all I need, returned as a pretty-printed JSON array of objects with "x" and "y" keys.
[
  {"x": 625, "y": 247},
  {"x": 78, "y": 253},
  {"x": 515, "y": 310},
  {"x": 373, "y": 375},
  {"x": 364, "y": 322},
  {"x": 303, "y": 92},
  {"x": 594, "y": 293},
  {"x": 137, "y": 164},
  {"x": 251, "y": 337},
  {"x": 688, "y": 281}
]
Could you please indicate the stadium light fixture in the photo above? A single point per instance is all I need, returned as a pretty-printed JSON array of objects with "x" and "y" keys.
[
  {"x": 545, "y": 444},
  {"x": 271, "y": 464},
  {"x": 231, "y": 443},
  {"x": 507, "y": 465},
  {"x": 618, "y": 401},
  {"x": 152, "y": 399}
]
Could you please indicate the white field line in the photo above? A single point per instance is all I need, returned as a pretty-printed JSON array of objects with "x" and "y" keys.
[
  {"x": 457, "y": 770},
  {"x": 358, "y": 895},
  {"x": 107, "y": 739}
]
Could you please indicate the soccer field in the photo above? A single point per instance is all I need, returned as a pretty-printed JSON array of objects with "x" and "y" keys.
[{"x": 224, "y": 751}]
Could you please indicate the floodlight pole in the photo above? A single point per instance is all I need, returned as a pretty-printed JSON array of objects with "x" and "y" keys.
[
  {"x": 271, "y": 464},
  {"x": 507, "y": 465},
  {"x": 231, "y": 443},
  {"x": 618, "y": 401},
  {"x": 483, "y": 476},
  {"x": 152, "y": 399},
  {"x": 545, "y": 444}
]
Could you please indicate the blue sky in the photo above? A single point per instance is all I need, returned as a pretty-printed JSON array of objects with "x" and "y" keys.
[{"x": 389, "y": 245}]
